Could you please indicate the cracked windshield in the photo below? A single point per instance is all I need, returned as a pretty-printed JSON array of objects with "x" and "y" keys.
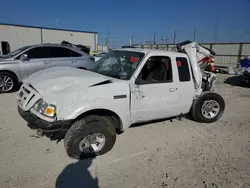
[{"x": 118, "y": 64}]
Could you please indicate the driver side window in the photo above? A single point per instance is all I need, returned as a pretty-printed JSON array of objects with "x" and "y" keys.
[
  {"x": 157, "y": 69},
  {"x": 37, "y": 53}
]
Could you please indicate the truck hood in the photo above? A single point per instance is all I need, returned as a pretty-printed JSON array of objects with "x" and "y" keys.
[{"x": 64, "y": 79}]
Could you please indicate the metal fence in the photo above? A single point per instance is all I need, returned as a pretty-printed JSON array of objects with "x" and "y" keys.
[{"x": 227, "y": 54}]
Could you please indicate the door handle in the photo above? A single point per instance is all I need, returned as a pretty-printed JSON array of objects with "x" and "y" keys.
[
  {"x": 73, "y": 61},
  {"x": 173, "y": 89}
]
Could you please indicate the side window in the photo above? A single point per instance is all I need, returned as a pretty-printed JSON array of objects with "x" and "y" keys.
[
  {"x": 37, "y": 53},
  {"x": 157, "y": 69},
  {"x": 59, "y": 52},
  {"x": 75, "y": 54},
  {"x": 183, "y": 69}
]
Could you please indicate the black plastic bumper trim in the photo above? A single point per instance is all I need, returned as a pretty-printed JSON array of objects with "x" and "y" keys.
[{"x": 49, "y": 127}]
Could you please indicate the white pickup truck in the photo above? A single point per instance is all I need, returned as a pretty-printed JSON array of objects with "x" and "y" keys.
[{"x": 88, "y": 107}]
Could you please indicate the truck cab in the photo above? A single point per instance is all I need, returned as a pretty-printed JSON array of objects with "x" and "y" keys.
[
  {"x": 161, "y": 87},
  {"x": 127, "y": 86}
]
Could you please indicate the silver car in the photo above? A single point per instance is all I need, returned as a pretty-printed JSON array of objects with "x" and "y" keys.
[{"x": 19, "y": 64}]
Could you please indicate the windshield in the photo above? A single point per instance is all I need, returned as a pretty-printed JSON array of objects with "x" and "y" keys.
[
  {"x": 118, "y": 64},
  {"x": 15, "y": 52}
]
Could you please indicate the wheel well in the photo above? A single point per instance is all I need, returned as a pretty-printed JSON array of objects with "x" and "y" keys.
[
  {"x": 110, "y": 115},
  {"x": 10, "y": 72}
]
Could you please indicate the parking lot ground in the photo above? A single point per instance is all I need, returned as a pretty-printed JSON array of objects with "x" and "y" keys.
[{"x": 164, "y": 154}]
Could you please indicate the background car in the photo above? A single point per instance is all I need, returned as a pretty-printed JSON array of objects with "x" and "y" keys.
[{"x": 19, "y": 64}]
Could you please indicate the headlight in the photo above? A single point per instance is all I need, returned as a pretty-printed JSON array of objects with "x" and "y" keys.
[{"x": 45, "y": 109}]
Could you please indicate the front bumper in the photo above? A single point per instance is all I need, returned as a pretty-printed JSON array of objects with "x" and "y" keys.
[{"x": 53, "y": 130}]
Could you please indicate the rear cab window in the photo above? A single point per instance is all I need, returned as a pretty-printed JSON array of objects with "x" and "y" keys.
[{"x": 183, "y": 69}]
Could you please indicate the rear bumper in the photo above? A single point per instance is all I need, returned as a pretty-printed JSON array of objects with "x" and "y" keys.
[{"x": 56, "y": 130}]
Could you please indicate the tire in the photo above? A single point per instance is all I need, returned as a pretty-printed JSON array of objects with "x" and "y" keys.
[
  {"x": 242, "y": 82},
  {"x": 12, "y": 78},
  {"x": 196, "y": 110},
  {"x": 87, "y": 126}
]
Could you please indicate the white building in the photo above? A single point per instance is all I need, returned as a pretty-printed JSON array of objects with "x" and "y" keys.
[{"x": 20, "y": 35}]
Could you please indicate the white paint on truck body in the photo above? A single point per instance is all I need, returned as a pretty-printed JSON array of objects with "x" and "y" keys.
[
  {"x": 74, "y": 92},
  {"x": 73, "y": 95},
  {"x": 161, "y": 100}
]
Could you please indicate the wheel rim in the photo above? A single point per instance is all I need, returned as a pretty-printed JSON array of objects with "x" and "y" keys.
[
  {"x": 210, "y": 109},
  {"x": 6, "y": 83},
  {"x": 92, "y": 143}
]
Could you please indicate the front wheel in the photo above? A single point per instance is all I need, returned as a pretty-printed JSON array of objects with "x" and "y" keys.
[
  {"x": 208, "y": 108},
  {"x": 89, "y": 137},
  {"x": 8, "y": 82}
]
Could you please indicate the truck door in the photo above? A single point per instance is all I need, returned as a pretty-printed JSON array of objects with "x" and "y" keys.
[
  {"x": 185, "y": 82},
  {"x": 155, "y": 93}
]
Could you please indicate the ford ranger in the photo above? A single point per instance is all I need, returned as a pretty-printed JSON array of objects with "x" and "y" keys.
[{"x": 87, "y": 108}]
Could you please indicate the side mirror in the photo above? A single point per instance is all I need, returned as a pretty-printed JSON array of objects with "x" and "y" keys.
[{"x": 24, "y": 57}]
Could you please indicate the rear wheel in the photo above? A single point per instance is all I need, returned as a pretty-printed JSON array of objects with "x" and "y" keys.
[
  {"x": 208, "y": 108},
  {"x": 8, "y": 82},
  {"x": 89, "y": 137}
]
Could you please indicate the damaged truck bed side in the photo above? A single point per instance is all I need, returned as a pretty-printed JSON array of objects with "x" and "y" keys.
[{"x": 127, "y": 86}]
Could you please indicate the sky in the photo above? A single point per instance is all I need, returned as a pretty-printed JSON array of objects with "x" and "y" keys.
[{"x": 119, "y": 20}]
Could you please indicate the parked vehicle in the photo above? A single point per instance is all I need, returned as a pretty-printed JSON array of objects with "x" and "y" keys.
[
  {"x": 127, "y": 86},
  {"x": 81, "y": 47},
  {"x": 19, "y": 64},
  {"x": 93, "y": 53},
  {"x": 99, "y": 56},
  {"x": 245, "y": 79}
]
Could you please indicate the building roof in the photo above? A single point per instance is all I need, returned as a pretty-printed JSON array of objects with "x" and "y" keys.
[{"x": 49, "y": 28}]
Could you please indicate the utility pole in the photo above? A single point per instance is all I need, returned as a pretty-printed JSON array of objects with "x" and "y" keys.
[
  {"x": 194, "y": 35},
  {"x": 132, "y": 40},
  {"x": 162, "y": 40},
  {"x": 201, "y": 38},
  {"x": 109, "y": 40},
  {"x": 165, "y": 39},
  {"x": 106, "y": 41},
  {"x": 57, "y": 23},
  {"x": 154, "y": 37},
  {"x": 174, "y": 36}
]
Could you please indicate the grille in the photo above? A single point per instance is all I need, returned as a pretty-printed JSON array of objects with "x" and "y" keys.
[{"x": 24, "y": 96}]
